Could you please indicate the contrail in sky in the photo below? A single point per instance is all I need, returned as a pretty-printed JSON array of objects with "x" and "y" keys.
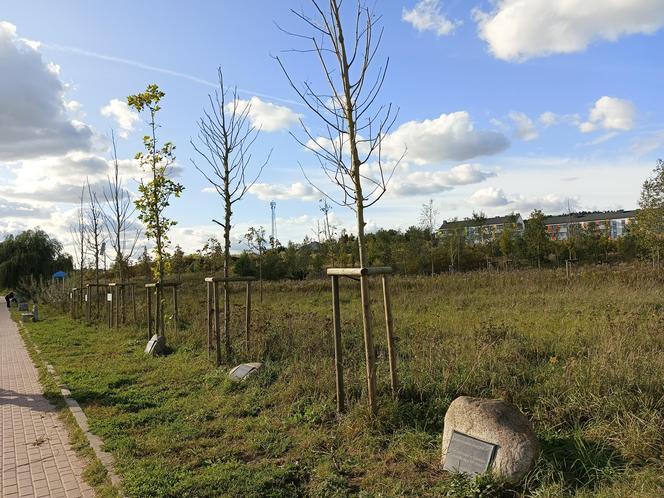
[{"x": 147, "y": 67}]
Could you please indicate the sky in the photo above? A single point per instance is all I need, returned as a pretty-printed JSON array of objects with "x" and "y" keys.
[{"x": 503, "y": 106}]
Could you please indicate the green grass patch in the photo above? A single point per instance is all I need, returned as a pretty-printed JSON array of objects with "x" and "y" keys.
[{"x": 584, "y": 360}]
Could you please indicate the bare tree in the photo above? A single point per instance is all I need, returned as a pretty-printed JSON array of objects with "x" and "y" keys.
[
  {"x": 354, "y": 125},
  {"x": 123, "y": 234},
  {"x": 225, "y": 139},
  {"x": 429, "y": 222},
  {"x": 349, "y": 147},
  {"x": 94, "y": 234},
  {"x": 78, "y": 234}
]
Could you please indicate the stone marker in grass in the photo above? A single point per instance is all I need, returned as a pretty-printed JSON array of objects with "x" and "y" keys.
[
  {"x": 488, "y": 435},
  {"x": 156, "y": 345},
  {"x": 244, "y": 370}
]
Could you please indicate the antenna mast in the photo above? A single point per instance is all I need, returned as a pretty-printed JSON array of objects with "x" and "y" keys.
[{"x": 273, "y": 237}]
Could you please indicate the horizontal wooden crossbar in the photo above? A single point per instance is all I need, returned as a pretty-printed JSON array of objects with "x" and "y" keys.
[
  {"x": 164, "y": 284},
  {"x": 357, "y": 272},
  {"x": 230, "y": 279}
]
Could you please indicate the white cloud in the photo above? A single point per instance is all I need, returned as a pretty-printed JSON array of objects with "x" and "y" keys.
[
  {"x": 34, "y": 115},
  {"x": 122, "y": 114},
  {"x": 298, "y": 190},
  {"x": 450, "y": 137},
  {"x": 551, "y": 119},
  {"x": 269, "y": 117},
  {"x": 489, "y": 197},
  {"x": 648, "y": 143},
  {"x": 549, "y": 204},
  {"x": 427, "y": 15},
  {"x": 525, "y": 128},
  {"x": 610, "y": 113},
  {"x": 517, "y": 30},
  {"x": 432, "y": 182}
]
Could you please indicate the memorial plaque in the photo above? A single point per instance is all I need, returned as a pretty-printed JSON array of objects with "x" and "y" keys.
[{"x": 468, "y": 455}]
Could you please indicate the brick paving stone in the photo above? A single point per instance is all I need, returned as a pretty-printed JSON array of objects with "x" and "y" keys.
[{"x": 36, "y": 458}]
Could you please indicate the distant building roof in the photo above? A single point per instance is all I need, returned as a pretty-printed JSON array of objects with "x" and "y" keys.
[
  {"x": 588, "y": 216},
  {"x": 496, "y": 220}
]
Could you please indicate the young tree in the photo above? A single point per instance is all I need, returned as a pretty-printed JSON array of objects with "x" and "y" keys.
[
  {"x": 225, "y": 140},
  {"x": 78, "y": 231},
  {"x": 256, "y": 241},
  {"x": 95, "y": 238},
  {"x": 535, "y": 236},
  {"x": 429, "y": 223},
  {"x": 177, "y": 261},
  {"x": 650, "y": 217},
  {"x": 122, "y": 232},
  {"x": 155, "y": 195},
  {"x": 352, "y": 124},
  {"x": 328, "y": 230}
]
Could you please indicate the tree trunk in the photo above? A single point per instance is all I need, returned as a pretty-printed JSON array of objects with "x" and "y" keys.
[{"x": 227, "y": 261}]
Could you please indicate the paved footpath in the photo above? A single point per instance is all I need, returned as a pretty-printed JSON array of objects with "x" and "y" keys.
[{"x": 37, "y": 459}]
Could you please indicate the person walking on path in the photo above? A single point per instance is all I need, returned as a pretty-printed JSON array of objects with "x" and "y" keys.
[
  {"x": 9, "y": 298},
  {"x": 36, "y": 459}
]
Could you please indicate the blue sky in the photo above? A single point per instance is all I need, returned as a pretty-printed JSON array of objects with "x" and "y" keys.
[{"x": 504, "y": 106}]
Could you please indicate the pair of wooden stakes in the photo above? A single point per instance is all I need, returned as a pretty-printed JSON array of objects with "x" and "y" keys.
[
  {"x": 363, "y": 274},
  {"x": 116, "y": 295},
  {"x": 214, "y": 324}
]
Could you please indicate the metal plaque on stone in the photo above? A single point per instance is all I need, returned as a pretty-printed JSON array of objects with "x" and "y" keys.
[{"x": 468, "y": 455}]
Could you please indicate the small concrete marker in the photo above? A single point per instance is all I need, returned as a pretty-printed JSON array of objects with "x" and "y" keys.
[
  {"x": 241, "y": 372},
  {"x": 156, "y": 346}
]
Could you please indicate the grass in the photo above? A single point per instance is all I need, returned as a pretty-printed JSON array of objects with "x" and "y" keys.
[{"x": 583, "y": 359}]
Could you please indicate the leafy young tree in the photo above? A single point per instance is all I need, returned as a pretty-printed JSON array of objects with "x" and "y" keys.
[
  {"x": 535, "y": 236},
  {"x": 156, "y": 193},
  {"x": 650, "y": 217},
  {"x": 256, "y": 241}
]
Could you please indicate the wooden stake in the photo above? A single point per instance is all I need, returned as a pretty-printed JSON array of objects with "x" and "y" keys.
[
  {"x": 148, "y": 294},
  {"x": 389, "y": 328},
  {"x": 217, "y": 323},
  {"x": 88, "y": 302},
  {"x": 338, "y": 360},
  {"x": 133, "y": 300},
  {"x": 210, "y": 311},
  {"x": 248, "y": 314},
  {"x": 175, "y": 308},
  {"x": 368, "y": 343}
]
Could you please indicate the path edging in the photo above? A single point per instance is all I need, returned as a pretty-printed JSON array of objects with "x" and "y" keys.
[{"x": 94, "y": 441}]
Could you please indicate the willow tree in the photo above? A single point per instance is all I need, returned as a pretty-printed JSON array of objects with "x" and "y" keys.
[
  {"x": 157, "y": 189},
  {"x": 226, "y": 136},
  {"x": 352, "y": 125}
]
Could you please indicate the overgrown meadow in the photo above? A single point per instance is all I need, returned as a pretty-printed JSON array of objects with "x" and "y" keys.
[{"x": 583, "y": 358}]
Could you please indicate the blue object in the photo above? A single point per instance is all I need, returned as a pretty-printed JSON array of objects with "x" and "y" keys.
[{"x": 59, "y": 274}]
